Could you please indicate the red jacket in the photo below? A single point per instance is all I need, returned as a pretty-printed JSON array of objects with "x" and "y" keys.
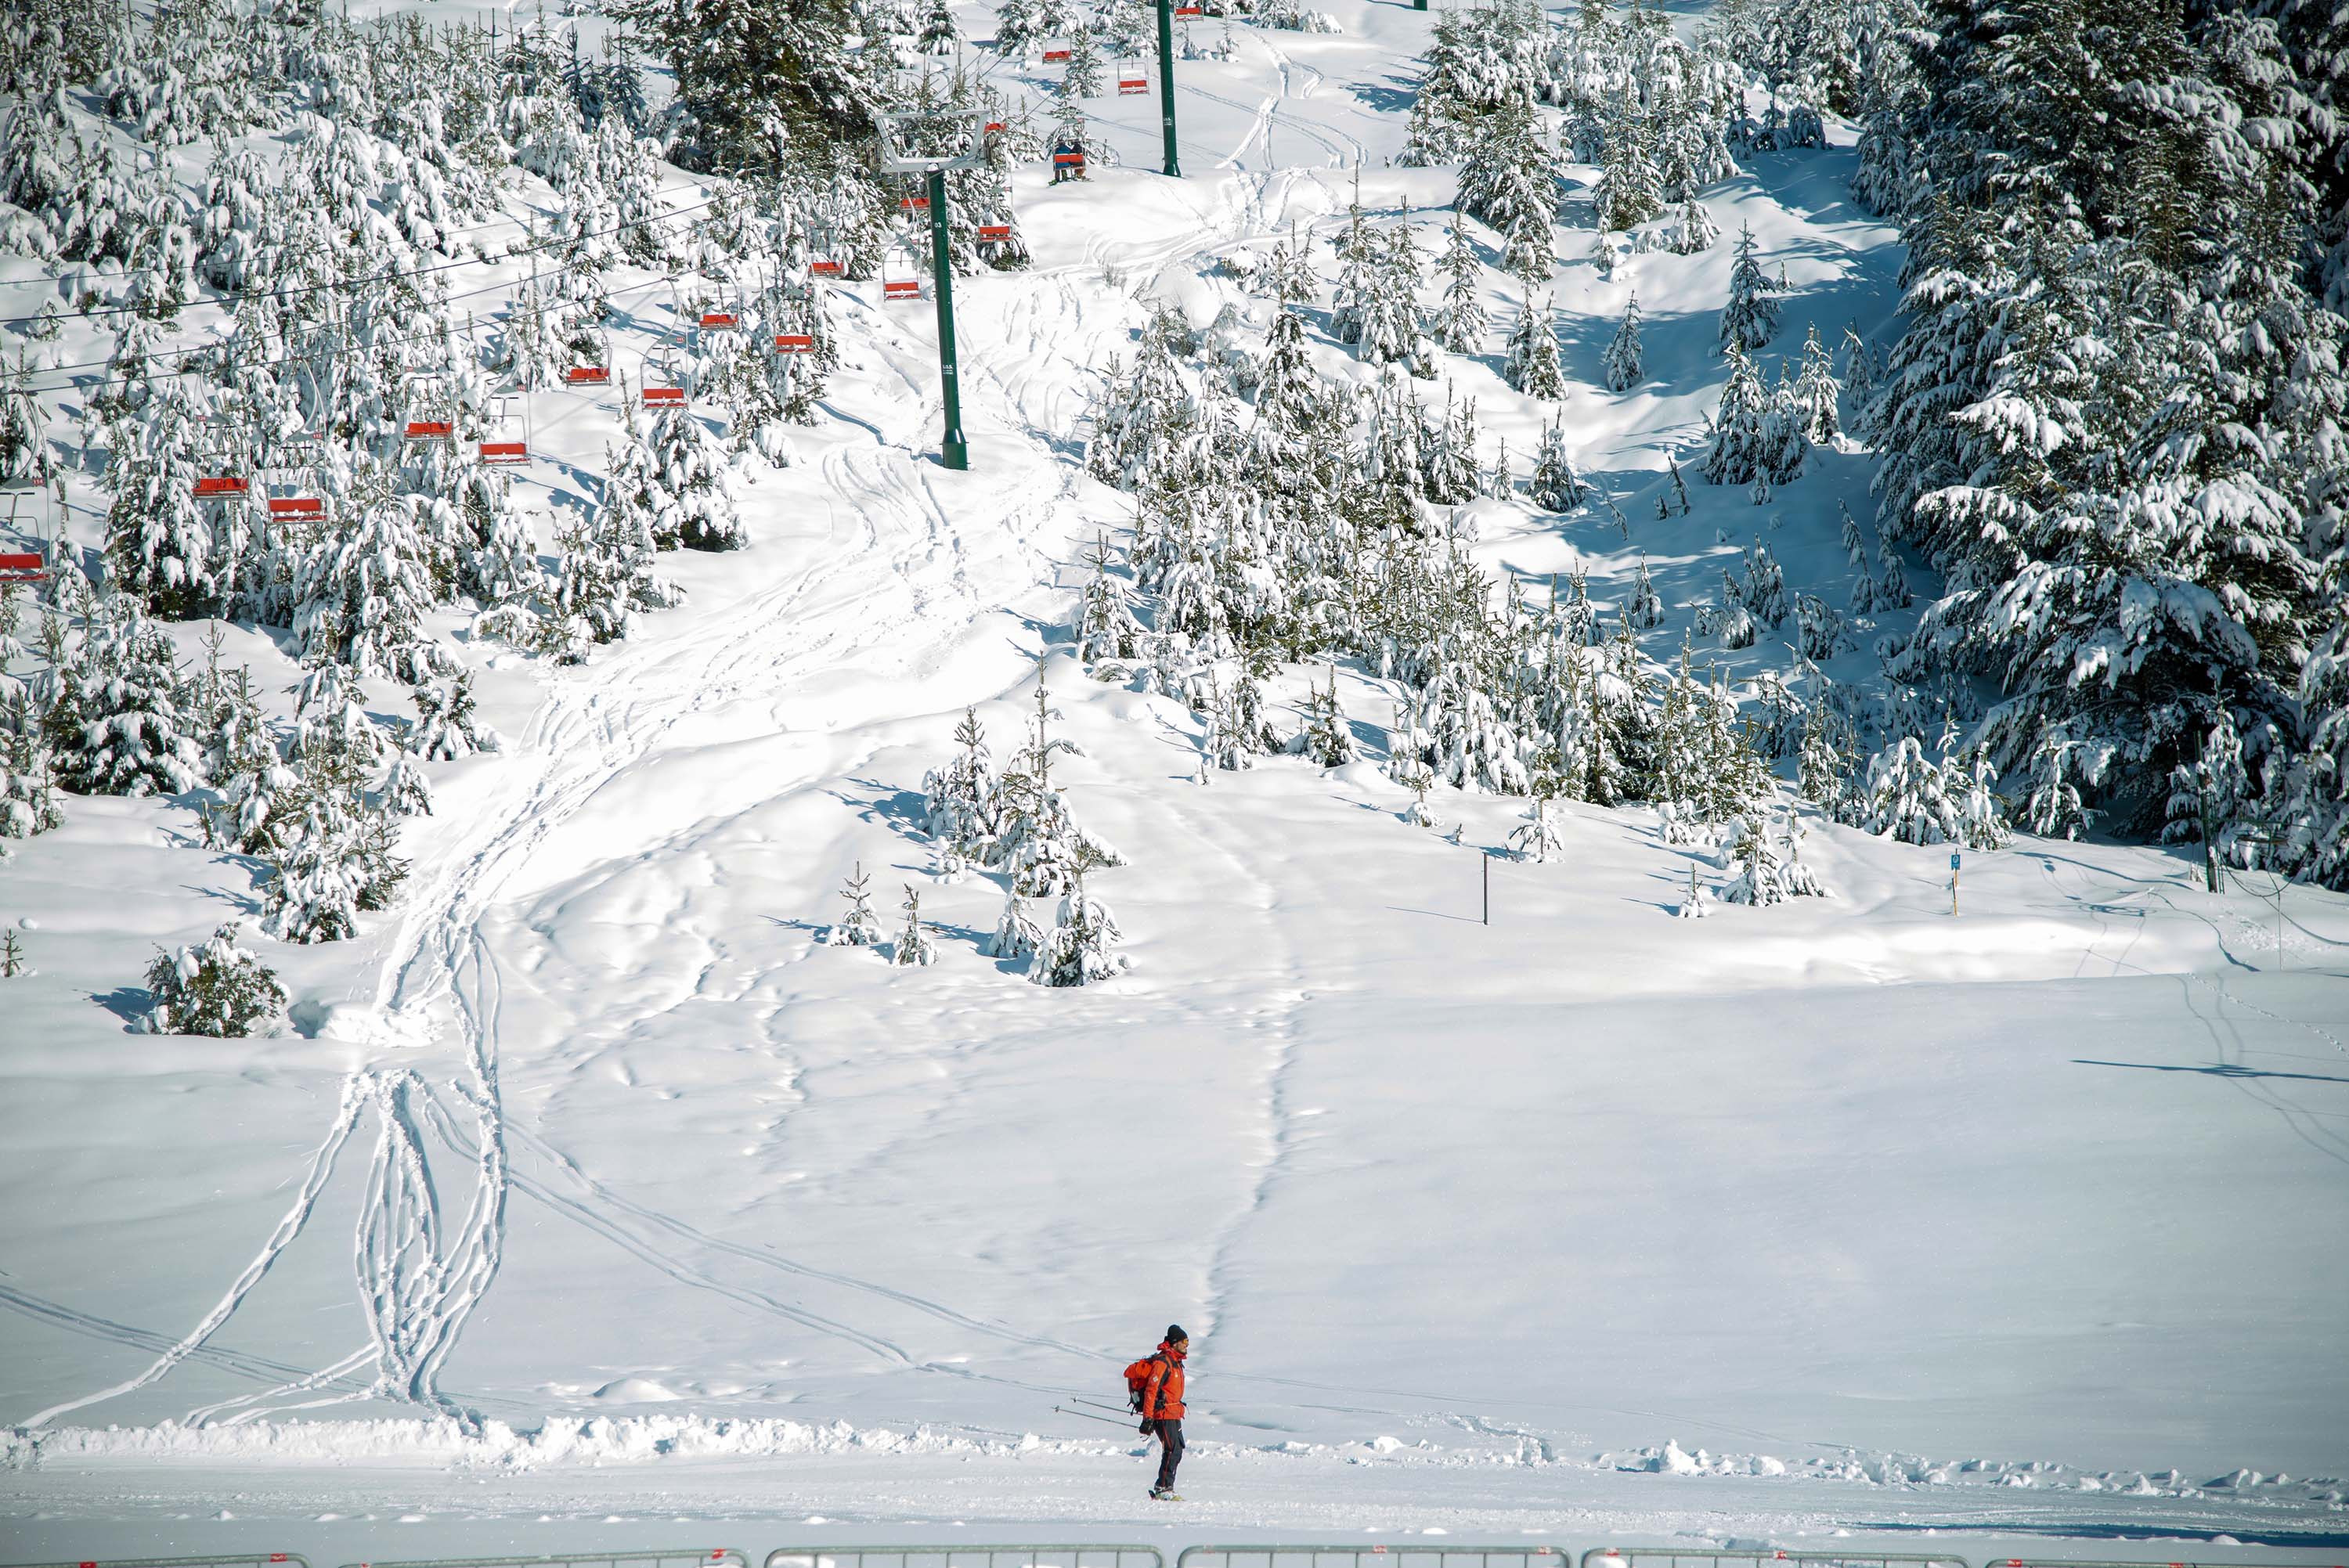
[{"x": 1159, "y": 1378}]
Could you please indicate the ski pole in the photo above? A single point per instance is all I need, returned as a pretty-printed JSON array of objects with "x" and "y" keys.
[
  {"x": 1097, "y": 1405},
  {"x": 1086, "y": 1416}
]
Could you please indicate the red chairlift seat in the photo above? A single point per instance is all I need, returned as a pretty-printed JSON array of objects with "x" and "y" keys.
[
  {"x": 913, "y": 203},
  {"x": 664, "y": 397},
  {"x": 994, "y": 233},
  {"x": 824, "y": 267},
  {"x": 1132, "y": 78},
  {"x": 23, "y": 566},
  {"x": 588, "y": 375},
  {"x": 505, "y": 454},
  {"x": 1069, "y": 160},
  {"x": 1056, "y": 52},
  {"x": 711, "y": 320},
  {"x": 428, "y": 429},
  {"x": 795, "y": 343},
  {"x": 297, "y": 506},
  {"x": 902, "y": 288},
  {"x": 210, "y": 485},
  {"x": 1187, "y": 11},
  {"x": 993, "y": 126}
]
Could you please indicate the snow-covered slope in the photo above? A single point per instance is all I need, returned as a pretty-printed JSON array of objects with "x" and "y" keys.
[{"x": 2056, "y": 1176}]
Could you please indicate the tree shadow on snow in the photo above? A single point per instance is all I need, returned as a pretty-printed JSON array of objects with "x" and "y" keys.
[
  {"x": 127, "y": 1002},
  {"x": 903, "y": 811}
]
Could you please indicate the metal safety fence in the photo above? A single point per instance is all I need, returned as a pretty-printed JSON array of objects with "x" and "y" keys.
[
  {"x": 1668, "y": 1557},
  {"x": 246, "y": 1560},
  {"x": 972, "y": 1556},
  {"x": 708, "y": 1557},
  {"x": 2050, "y": 1563},
  {"x": 1374, "y": 1556}
]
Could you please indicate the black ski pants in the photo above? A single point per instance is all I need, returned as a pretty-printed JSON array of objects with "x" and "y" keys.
[{"x": 1170, "y": 1440}]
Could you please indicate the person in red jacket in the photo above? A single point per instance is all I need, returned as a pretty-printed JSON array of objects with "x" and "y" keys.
[{"x": 1156, "y": 1384}]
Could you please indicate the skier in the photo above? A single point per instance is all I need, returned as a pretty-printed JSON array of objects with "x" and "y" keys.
[{"x": 1156, "y": 1385}]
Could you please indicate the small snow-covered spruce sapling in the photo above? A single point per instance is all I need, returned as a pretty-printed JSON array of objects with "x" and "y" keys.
[
  {"x": 913, "y": 947},
  {"x": 1016, "y": 935},
  {"x": 12, "y": 956},
  {"x": 1328, "y": 738},
  {"x": 1081, "y": 947},
  {"x": 214, "y": 988},
  {"x": 1760, "y": 879},
  {"x": 2052, "y": 808},
  {"x": 1533, "y": 367},
  {"x": 959, "y": 799},
  {"x": 1536, "y": 838},
  {"x": 1623, "y": 354},
  {"x": 1909, "y": 796},
  {"x": 859, "y": 927},
  {"x": 1556, "y": 485}
]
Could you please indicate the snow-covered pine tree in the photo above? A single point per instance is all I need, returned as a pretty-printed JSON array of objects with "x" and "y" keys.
[
  {"x": 446, "y": 726},
  {"x": 1392, "y": 330},
  {"x": 1645, "y": 609},
  {"x": 213, "y": 988},
  {"x": 1328, "y": 738},
  {"x": 1460, "y": 325},
  {"x": 859, "y": 927},
  {"x": 1795, "y": 873},
  {"x": 1081, "y": 947},
  {"x": 1629, "y": 186},
  {"x": 1761, "y": 873},
  {"x": 1106, "y": 628},
  {"x": 29, "y": 792},
  {"x": 1510, "y": 171},
  {"x": 2052, "y": 810},
  {"x": 1982, "y": 815},
  {"x": 1556, "y": 484},
  {"x": 1817, "y": 392},
  {"x": 1623, "y": 358},
  {"x": 1751, "y": 316},
  {"x": 693, "y": 484},
  {"x": 1017, "y": 28},
  {"x": 361, "y": 589},
  {"x": 1533, "y": 367},
  {"x": 1356, "y": 251},
  {"x": 960, "y": 807},
  {"x": 913, "y": 947},
  {"x": 1695, "y": 230},
  {"x": 1738, "y": 449},
  {"x": 1909, "y": 796},
  {"x": 114, "y": 725},
  {"x": 939, "y": 35},
  {"x": 1536, "y": 839},
  {"x": 1081, "y": 77},
  {"x": 1527, "y": 252},
  {"x": 1892, "y": 583}
]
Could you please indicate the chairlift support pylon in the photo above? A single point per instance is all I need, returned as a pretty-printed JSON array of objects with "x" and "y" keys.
[{"x": 954, "y": 452}]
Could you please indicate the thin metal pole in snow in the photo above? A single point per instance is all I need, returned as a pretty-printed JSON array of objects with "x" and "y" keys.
[{"x": 1488, "y": 888}]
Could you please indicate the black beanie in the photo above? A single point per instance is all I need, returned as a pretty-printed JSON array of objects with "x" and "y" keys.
[{"x": 1174, "y": 1332}]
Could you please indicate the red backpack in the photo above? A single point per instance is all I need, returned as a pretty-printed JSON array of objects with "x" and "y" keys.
[{"x": 1137, "y": 1381}]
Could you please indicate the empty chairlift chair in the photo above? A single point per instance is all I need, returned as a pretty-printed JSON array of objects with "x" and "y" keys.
[
  {"x": 1132, "y": 78},
  {"x": 900, "y": 278}
]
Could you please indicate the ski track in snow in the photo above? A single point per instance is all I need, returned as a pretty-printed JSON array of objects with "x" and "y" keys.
[{"x": 419, "y": 1281}]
